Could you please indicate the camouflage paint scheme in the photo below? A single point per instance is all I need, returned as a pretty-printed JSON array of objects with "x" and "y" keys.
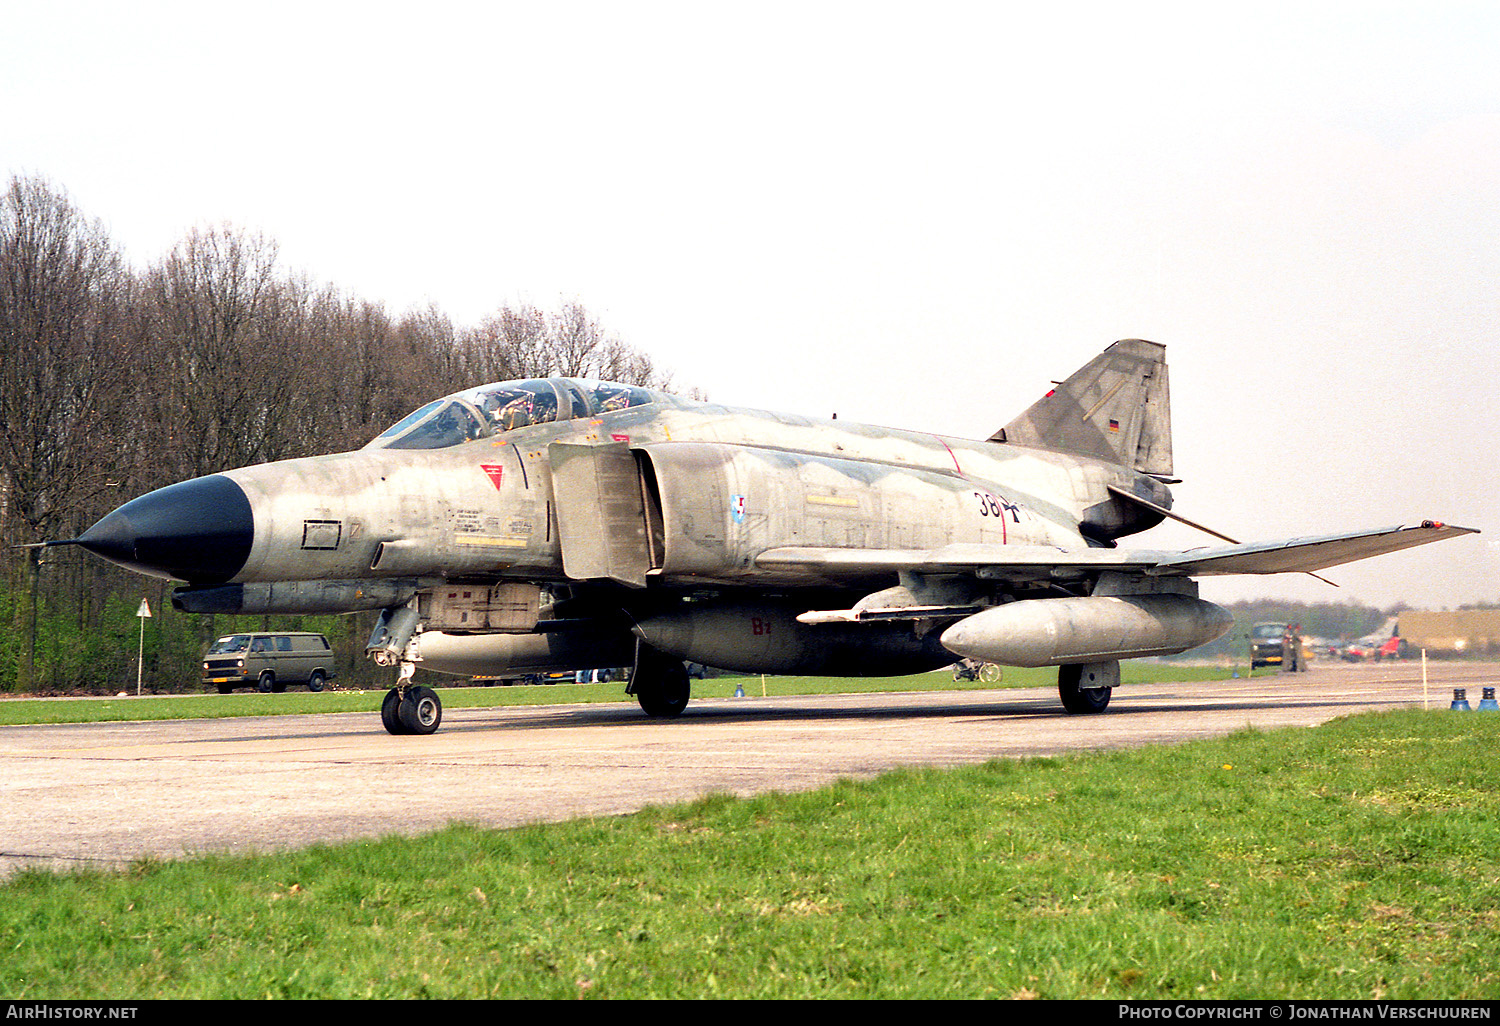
[{"x": 669, "y": 530}]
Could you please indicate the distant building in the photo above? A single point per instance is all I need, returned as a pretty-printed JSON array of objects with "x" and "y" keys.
[{"x": 1463, "y": 632}]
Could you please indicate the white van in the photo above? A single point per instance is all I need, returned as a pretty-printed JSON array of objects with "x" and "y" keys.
[{"x": 269, "y": 661}]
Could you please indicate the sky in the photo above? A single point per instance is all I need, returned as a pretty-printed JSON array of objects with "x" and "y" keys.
[{"x": 910, "y": 214}]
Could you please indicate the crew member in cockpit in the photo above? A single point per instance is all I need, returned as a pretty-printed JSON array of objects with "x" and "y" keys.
[{"x": 514, "y": 414}]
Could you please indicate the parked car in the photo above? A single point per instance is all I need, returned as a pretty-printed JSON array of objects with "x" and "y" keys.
[
  {"x": 1265, "y": 644},
  {"x": 269, "y": 661}
]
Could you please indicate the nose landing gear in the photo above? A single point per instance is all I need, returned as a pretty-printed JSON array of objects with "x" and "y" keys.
[
  {"x": 406, "y": 709},
  {"x": 411, "y": 710}
]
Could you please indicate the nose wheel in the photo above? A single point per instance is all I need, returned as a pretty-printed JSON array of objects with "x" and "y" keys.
[
  {"x": 411, "y": 710},
  {"x": 407, "y": 709}
]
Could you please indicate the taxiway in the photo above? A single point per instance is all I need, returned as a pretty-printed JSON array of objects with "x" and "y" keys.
[{"x": 107, "y": 794}]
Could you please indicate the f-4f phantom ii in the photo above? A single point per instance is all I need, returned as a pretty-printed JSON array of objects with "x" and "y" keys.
[{"x": 564, "y": 524}]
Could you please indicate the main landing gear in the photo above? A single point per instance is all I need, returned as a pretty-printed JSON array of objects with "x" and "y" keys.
[
  {"x": 1086, "y": 687},
  {"x": 659, "y": 682}
]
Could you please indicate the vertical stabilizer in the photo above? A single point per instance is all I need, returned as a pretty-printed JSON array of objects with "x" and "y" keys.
[{"x": 1114, "y": 408}]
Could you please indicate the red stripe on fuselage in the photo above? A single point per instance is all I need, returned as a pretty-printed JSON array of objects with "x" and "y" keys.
[{"x": 951, "y": 455}]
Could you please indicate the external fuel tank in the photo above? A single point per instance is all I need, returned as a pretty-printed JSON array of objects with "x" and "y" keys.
[{"x": 1055, "y": 632}]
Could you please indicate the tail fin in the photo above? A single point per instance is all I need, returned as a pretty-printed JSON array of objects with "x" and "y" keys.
[{"x": 1115, "y": 408}]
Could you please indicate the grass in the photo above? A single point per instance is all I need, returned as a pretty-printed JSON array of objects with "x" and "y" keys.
[
  {"x": 1354, "y": 860},
  {"x": 18, "y": 711}
]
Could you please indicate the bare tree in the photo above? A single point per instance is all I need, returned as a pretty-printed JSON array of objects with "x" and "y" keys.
[
  {"x": 61, "y": 335},
  {"x": 349, "y": 342},
  {"x": 429, "y": 354},
  {"x": 524, "y": 342},
  {"x": 510, "y": 343},
  {"x": 211, "y": 301},
  {"x": 575, "y": 342}
]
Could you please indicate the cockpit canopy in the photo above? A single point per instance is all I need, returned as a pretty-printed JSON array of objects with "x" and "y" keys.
[{"x": 505, "y": 406}]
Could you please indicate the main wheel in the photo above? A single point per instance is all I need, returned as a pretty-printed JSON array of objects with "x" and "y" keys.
[
  {"x": 660, "y": 684},
  {"x": 989, "y": 673},
  {"x": 1078, "y": 699},
  {"x": 420, "y": 711},
  {"x": 389, "y": 714}
]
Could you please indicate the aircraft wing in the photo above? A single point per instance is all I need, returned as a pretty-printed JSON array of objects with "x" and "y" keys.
[
  {"x": 1019, "y": 562},
  {"x": 1307, "y": 554},
  {"x": 1023, "y": 562}
]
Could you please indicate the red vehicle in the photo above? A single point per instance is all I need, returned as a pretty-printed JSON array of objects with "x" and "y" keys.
[{"x": 1394, "y": 648}]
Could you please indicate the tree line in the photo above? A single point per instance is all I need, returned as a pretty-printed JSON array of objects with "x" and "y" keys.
[{"x": 116, "y": 380}]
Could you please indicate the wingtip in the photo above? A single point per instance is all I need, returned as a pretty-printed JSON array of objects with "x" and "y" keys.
[{"x": 1438, "y": 525}]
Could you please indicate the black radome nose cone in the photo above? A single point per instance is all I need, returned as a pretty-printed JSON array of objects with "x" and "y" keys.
[{"x": 198, "y": 531}]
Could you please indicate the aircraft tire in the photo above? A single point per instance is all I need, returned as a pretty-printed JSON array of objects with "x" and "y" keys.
[
  {"x": 661, "y": 685},
  {"x": 389, "y": 715},
  {"x": 1080, "y": 700},
  {"x": 420, "y": 711}
]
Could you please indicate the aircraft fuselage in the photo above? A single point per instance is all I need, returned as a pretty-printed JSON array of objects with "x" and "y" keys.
[{"x": 728, "y": 484}]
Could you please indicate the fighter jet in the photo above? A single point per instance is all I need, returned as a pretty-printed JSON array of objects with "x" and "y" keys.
[{"x": 556, "y": 523}]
